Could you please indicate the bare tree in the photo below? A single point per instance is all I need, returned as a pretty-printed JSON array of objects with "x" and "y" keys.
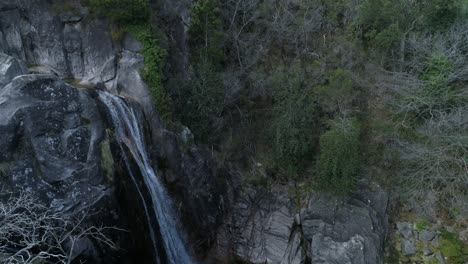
[
  {"x": 436, "y": 160},
  {"x": 30, "y": 232}
]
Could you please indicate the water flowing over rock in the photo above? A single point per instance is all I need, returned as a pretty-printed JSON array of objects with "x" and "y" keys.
[{"x": 129, "y": 133}]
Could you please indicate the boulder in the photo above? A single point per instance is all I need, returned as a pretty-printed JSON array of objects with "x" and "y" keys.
[
  {"x": 10, "y": 68},
  {"x": 405, "y": 229},
  {"x": 325, "y": 250},
  {"x": 131, "y": 44},
  {"x": 263, "y": 223},
  {"x": 426, "y": 235},
  {"x": 352, "y": 228},
  {"x": 408, "y": 247}
]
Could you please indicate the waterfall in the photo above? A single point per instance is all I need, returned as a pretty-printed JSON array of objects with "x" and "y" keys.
[{"x": 129, "y": 133}]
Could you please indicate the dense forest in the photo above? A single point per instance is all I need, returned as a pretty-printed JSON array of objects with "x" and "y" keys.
[
  {"x": 323, "y": 93},
  {"x": 319, "y": 96}
]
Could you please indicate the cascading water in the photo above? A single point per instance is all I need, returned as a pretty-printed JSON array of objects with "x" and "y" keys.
[{"x": 129, "y": 133}]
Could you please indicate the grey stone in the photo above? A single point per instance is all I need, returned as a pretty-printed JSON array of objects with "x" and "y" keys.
[
  {"x": 408, "y": 247},
  {"x": 131, "y": 44},
  {"x": 405, "y": 229},
  {"x": 129, "y": 81},
  {"x": 264, "y": 232},
  {"x": 439, "y": 257},
  {"x": 326, "y": 250},
  {"x": 74, "y": 49},
  {"x": 10, "y": 68},
  {"x": 98, "y": 52},
  {"x": 12, "y": 43},
  {"x": 463, "y": 235},
  {"x": 435, "y": 241},
  {"x": 44, "y": 116},
  {"x": 427, "y": 250},
  {"x": 426, "y": 235},
  {"x": 186, "y": 135},
  {"x": 294, "y": 253},
  {"x": 361, "y": 218}
]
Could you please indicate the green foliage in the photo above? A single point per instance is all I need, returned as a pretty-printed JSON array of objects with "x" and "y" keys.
[
  {"x": 294, "y": 117},
  {"x": 4, "y": 168},
  {"x": 440, "y": 14},
  {"x": 155, "y": 56},
  {"x": 201, "y": 101},
  {"x": 437, "y": 93},
  {"x": 437, "y": 74},
  {"x": 206, "y": 30},
  {"x": 383, "y": 23},
  {"x": 107, "y": 160},
  {"x": 421, "y": 225},
  {"x": 337, "y": 94},
  {"x": 66, "y": 6},
  {"x": 122, "y": 12},
  {"x": 452, "y": 247},
  {"x": 340, "y": 159},
  {"x": 132, "y": 16}
]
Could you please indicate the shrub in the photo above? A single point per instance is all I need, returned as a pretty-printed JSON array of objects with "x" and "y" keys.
[
  {"x": 201, "y": 102},
  {"x": 294, "y": 117},
  {"x": 337, "y": 94},
  {"x": 383, "y": 23},
  {"x": 66, "y": 6},
  {"x": 206, "y": 31},
  {"x": 155, "y": 56},
  {"x": 31, "y": 232},
  {"x": 339, "y": 160}
]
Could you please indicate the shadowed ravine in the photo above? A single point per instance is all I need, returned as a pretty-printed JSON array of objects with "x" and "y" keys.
[{"x": 129, "y": 134}]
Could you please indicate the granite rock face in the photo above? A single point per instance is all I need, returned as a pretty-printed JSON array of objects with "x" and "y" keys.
[
  {"x": 70, "y": 43},
  {"x": 266, "y": 227},
  {"x": 10, "y": 68},
  {"x": 51, "y": 133}
]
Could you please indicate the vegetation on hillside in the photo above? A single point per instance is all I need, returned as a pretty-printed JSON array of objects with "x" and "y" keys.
[
  {"x": 323, "y": 91},
  {"x": 133, "y": 17},
  {"x": 282, "y": 71}
]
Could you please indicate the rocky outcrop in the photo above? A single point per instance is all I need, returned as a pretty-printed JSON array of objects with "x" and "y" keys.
[
  {"x": 266, "y": 227},
  {"x": 51, "y": 147},
  {"x": 350, "y": 230},
  {"x": 71, "y": 43},
  {"x": 50, "y": 144},
  {"x": 10, "y": 68}
]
